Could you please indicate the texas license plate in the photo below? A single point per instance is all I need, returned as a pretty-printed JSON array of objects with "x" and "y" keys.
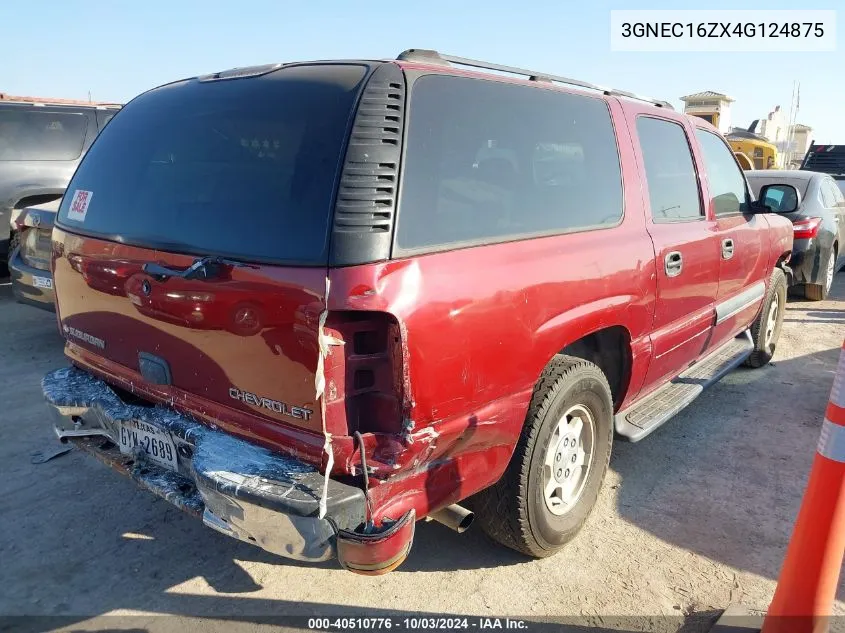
[
  {"x": 42, "y": 282},
  {"x": 156, "y": 445}
]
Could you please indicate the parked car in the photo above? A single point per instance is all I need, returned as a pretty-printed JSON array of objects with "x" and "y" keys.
[
  {"x": 817, "y": 214},
  {"x": 41, "y": 142},
  {"x": 476, "y": 280},
  {"x": 29, "y": 261}
]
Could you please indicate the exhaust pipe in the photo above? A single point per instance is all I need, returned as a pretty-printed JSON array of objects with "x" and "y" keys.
[{"x": 455, "y": 517}]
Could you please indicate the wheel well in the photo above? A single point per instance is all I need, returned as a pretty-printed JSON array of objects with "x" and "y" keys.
[{"x": 610, "y": 350}]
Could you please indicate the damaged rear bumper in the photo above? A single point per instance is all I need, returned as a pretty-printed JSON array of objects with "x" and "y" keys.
[{"x": 240, "y": 489}]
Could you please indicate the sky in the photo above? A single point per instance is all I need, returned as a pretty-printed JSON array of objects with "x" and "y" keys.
[{"x": 115, "y": 50}]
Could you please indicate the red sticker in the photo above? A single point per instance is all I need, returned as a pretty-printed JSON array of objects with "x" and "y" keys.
[{"x": 79, "y": 205}]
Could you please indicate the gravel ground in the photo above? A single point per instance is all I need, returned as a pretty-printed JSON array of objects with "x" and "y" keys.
[{"x": 693, "y": 518}]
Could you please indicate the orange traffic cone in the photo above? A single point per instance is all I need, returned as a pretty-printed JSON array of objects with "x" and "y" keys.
[{"x": 806, "y": 589}]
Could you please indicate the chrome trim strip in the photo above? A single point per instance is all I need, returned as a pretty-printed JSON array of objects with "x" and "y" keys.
[{"x": 740, "y": 302}]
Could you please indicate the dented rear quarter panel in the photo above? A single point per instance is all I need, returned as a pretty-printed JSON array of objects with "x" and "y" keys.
[{"x": 479, "y": 325}]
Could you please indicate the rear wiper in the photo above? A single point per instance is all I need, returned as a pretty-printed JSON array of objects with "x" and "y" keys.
[{"x": 205, "y": 268}]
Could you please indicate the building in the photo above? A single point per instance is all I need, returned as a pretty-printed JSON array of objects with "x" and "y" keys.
[
  {"x": 775, "y": 128},
  {"x": 792, "y": 141},
  {"x": 801, "y": 141},
  {"x": 713, "y": 107},
  {"x": 7, "y": 98}
]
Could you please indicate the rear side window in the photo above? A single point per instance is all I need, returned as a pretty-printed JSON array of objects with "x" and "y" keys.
[
  {"x": 241, "y": 168},
  {"x": 41, "y": 134},
  {"x": 672, "y": 183},
  {"x": 488, "y": 161},
  {"x": 830, "y": 193},
  {"x": 725, "y": 179},
  {"x": 104, "y": 117}
]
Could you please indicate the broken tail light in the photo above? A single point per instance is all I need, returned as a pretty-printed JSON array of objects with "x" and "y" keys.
[
  {"x": 806, "y": 228},
  {"x": 36, "y": 248},
  {"x": 363, "y": 376}
]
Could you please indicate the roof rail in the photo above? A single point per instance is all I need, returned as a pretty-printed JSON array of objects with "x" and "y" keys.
[{"x": 433, "y": 57}]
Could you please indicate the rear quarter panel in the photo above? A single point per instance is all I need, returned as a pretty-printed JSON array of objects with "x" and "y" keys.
[{"x": 480, "y": 324}]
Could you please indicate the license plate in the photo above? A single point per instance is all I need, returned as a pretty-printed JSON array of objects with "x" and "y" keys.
[
  {"x": 157, "y": 445},
  {"x": 42, "y": 282}
]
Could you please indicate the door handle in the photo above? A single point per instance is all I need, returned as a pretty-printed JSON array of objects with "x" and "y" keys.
[
  {"x": 673, "y": 263},
  {"x": 727, "y": 248}
]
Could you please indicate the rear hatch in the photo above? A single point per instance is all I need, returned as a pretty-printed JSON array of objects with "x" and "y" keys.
[{"x": 190, "y": 255}]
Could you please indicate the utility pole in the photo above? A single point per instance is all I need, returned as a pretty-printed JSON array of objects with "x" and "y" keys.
[{"x": 786, "y": 146}]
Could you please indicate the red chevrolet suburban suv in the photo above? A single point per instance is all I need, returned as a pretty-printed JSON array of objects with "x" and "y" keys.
[{"x": 315, "y": 302}]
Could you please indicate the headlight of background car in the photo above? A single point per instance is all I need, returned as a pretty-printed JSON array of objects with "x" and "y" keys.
[{"x": 36, "y": 248}]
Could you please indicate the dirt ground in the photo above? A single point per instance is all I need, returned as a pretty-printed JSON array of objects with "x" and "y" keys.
[{"x": 694, "y": 517}]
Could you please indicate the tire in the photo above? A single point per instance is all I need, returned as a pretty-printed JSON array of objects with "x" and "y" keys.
[
  {"x": 819, "y": 292},
  {"x": 515, "y": 511},
  {"x": 765, "y": 330}
]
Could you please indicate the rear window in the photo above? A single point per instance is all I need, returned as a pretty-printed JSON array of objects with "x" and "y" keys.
[
  {"x": 41, "y": 134},
  {"x": 242, "y": 168},
  {"x": 488, "y": 161},
  {"x": 756, "y": 183}
]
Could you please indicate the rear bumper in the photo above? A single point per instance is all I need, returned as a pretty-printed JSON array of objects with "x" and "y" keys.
[
  {"x": 31, "y": 285},
  {"x": 808, "y": 261},
  {"x": 240, "y": 489}
]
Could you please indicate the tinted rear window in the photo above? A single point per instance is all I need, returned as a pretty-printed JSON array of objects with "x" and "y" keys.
[
  {"x": 488, "y": 161},
  {"x": 41, "y": 134},
  {"x": 242, "y": 168},
  {"x": 756, "y": 183}
]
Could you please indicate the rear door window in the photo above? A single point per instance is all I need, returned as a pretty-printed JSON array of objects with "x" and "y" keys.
[
  {"x": 830, "y": 193},
  {"x": 670, "y": 173},
  {"x": 103, "y": 117},
  {"x": 241, "y": 168},
  {"x": 38, "y": 134},
  {"x": 488, "y": 162},
  {"x": 725, "y": 179}
]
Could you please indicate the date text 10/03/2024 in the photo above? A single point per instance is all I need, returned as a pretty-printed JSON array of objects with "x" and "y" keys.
[{"x": 416, "y": 623}]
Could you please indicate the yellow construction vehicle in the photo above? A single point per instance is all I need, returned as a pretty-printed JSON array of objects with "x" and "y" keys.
[{"x": 755, "y": 149}]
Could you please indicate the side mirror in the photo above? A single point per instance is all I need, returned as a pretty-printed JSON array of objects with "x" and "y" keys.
[{"x": 778, "y": 198}]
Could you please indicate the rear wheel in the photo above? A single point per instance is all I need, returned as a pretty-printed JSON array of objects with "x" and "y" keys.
[
  {"x": 556, "y": 472},
  {"x": 765, "y": 331},
  {"x": 819, "y": 292}
]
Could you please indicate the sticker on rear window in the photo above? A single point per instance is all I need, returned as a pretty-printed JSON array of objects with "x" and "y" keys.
[{"x": 79, "y": 205}]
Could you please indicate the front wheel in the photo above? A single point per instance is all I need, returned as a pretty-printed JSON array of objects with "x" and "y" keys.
[
  {"x": 765, "y": 331},
  {"x": 559, "y": 464}
]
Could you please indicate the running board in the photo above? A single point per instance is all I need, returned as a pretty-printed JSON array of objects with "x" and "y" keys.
[{"x": 656, "y": 409}]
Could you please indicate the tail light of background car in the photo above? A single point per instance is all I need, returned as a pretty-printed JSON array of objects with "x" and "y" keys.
[
  {"x": 806, "y": 228},
  {"x": 36, "y": 248},
  {"x": 364, "y": 375}
]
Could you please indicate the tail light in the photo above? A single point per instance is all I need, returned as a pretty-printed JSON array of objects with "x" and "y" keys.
[
  {"x": 364, "y": 375},
  {"x": 36, "y": 248},
  {"x": 806, "y": 228}
]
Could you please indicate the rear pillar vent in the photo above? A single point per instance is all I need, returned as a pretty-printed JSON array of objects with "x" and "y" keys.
[{"x": 366, "y": 197}]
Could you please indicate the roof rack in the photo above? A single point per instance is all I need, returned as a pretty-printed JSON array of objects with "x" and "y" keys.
[{"x": 433, "y": 57}]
